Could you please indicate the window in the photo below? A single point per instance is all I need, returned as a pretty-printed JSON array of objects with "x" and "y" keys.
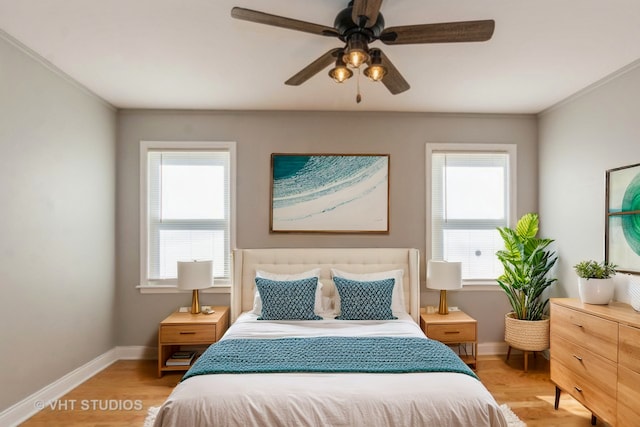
[
  {"x": 186, "y": 208},
  {"x": 470, "y": 192}
]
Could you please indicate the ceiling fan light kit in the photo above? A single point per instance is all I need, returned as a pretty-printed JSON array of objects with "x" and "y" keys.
[
  {"x": 340, "y": 72},
  {"x": 357, "y": 51},
  {"x": 359, "y": 25},
  {"x": 375, "y": 71}
]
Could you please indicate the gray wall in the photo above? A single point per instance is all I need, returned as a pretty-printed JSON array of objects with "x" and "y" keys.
[
  {"x": 258, "y": 134},
  {"x": 579, "y": 140},
  {"x": 57, "y": 225}
]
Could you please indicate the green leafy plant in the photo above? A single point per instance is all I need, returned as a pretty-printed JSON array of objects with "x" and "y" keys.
[
  {"x": 591, "y": 269},
  {"x": 526, "y": 261}
]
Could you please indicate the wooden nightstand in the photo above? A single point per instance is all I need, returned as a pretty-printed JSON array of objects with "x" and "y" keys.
[
  {"x": 186, "y": 329},
  {"x": 457, "y": 327}
]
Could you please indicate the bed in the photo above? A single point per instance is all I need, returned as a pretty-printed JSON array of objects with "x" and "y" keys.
[{"x": 328, "y": 372}]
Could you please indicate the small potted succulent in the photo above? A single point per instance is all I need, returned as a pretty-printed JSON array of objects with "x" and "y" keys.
[{"x": 595, "y": 281}]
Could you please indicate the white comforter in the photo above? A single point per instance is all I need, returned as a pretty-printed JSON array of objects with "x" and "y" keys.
[{"x": 328, "y": 399}]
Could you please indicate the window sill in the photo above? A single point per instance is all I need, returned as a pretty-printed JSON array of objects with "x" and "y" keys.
[
  {"x": 477, "y": 286},
  {"x": 474, "y": 288},
  {"x": 481, "y": 287},
  {"x": 170, "y": 289}
]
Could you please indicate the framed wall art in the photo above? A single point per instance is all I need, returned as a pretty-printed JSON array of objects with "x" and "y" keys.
[
  {"x": 330, "y": 193},
  {"x": 622, "y": 225}
]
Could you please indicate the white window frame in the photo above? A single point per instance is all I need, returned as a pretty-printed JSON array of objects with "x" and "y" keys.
[
  {"x": 448, "y": 147},
  {"x": 170, "y": 285}
]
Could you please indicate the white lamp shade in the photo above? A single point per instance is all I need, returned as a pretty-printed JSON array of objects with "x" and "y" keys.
[
  {"x": 444, "y": 275},
  {"x": 195, "y": 275}
]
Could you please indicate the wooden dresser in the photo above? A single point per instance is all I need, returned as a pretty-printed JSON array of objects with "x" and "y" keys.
[{"x": 595, "y": 357}]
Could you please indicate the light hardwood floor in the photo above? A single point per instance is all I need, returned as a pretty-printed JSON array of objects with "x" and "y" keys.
[{"x": 529, "y": 395}]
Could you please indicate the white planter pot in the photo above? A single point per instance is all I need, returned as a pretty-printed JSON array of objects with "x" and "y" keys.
[{"x": 596, "y": 291}]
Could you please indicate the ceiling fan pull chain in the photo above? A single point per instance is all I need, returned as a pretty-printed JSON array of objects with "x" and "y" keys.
[{"x": 358, "y": 97}]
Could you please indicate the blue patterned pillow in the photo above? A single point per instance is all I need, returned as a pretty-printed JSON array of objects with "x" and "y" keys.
[
  {"x": 365, "y": 300},
  {"x": 288, "y": 300}
]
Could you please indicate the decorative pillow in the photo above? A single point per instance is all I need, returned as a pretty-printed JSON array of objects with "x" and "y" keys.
[
  {"x": 365, "y": 300},
  {"x": 257, "y": 302},
  {"x": 287, "y": 300},
  {"x": 397, "y": 302}
]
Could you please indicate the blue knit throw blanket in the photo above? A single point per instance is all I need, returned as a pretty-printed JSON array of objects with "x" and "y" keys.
[{"x": 328, "y": 354}]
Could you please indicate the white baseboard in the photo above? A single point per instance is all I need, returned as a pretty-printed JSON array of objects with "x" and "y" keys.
[
  {"x": 30, "y": 405},
  {"x": 500, "y": 348},
  {"x": 27, "y": 407},
  {"x": 491, "y": 348},
  {"x": 137, "y": 352}
]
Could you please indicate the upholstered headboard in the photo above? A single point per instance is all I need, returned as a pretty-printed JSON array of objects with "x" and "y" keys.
[{"x": 298, "y": 260}]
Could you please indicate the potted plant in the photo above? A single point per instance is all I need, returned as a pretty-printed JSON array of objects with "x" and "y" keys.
[
  {"x": 595, "y": 282},
  {"x": 527, "y": 261}
]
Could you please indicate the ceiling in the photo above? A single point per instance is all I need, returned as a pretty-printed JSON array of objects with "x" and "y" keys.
[{"x": 193, "y": 55}]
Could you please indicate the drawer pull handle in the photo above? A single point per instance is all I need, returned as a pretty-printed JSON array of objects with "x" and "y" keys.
[
  {"x": 187, "y": 333},
  {"x": 578, "y": 325},
  {"x": 451, "y": 332},
  {"x": 578, "y": 357},
  {"x": 578, "y": 389}
]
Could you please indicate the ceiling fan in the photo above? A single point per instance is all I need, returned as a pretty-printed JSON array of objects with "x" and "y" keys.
[{"x": 359, "y": 25}]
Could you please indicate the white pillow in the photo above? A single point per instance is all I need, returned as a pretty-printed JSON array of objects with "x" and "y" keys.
[
  {"x": 257, "y": 302},
  {"x": 397, "y": 297}
]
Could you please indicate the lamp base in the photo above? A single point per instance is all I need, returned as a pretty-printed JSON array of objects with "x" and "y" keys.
[
  {"x": 195, "y": 302},
  {"x": 443, "y": 308}
]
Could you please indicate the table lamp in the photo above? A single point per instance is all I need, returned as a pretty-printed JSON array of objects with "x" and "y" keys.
[
  {"x": 193, "y": 276},
  {"x": 445, "y": 276}
]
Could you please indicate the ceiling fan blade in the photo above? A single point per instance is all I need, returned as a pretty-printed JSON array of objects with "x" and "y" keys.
[
  {"x": 365, "y": 8},
  {"x": 314, "y": 68},
  {"x": 447, "y": 32},
  {"x": 282, "y": 22},
  {"x": 393, "y": 80}
]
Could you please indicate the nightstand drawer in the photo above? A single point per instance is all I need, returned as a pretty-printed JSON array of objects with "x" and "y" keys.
[
  {"x": 452, "y": 333},
  {"x": 185, "y": 329},
  {"x": 191, "y": 334},
  {"x": 457, "y": 327}
]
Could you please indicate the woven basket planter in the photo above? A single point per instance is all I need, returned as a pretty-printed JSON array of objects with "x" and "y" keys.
[{"x": 527, "y": 335}]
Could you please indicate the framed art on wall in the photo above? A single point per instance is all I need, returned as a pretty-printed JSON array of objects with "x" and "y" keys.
[
  {"x": 622, "y": 225},
  {"x": 330, "y": 193}
]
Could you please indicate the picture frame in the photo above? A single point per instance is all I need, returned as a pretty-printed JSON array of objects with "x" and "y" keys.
[
  {"x": 329, "y": 193},
  {"x": 622, "y": 218}
]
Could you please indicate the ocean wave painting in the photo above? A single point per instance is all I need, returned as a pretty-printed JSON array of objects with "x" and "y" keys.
[
  {"x": 623, "y": 218},
  {"x": 330, "y": 193}
]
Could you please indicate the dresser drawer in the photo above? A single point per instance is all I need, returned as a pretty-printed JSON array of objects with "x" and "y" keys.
[
  {"x": 630, "y": 348},
  {"x": 594, "y": 333},
  {"x": 599, "y": 371},
  {"x": 452, "y": 333},
  {"x": 628, "y": 397},
  {"x": 602, "y": 404},
  {"x": 191, "y": 334}
]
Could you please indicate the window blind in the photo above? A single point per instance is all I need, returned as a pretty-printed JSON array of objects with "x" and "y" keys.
[
  {"x": 469, "y": 199},
  {"x": 188, "y": 211}
]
